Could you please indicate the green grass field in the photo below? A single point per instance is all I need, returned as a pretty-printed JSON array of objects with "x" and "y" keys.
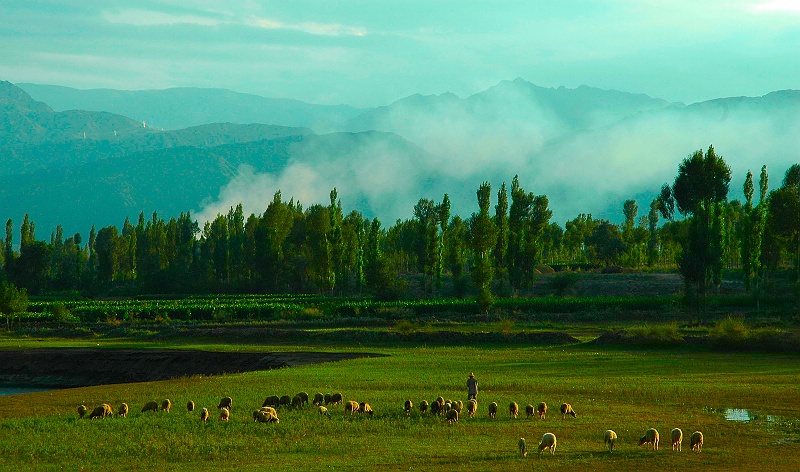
[{"x": 622, "y": 389}]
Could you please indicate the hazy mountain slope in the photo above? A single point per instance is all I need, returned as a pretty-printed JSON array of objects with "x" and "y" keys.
[{"x": 177, "y": 108}]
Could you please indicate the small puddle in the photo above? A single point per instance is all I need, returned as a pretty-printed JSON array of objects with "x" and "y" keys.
[{"x": 743, "y": 415}]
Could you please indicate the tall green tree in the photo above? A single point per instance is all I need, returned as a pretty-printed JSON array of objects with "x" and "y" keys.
[{"x": 483, "y": 238}]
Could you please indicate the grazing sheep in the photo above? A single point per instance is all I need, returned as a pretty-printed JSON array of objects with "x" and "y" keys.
[
  {"x": 513, "y": 409},
  {"x": 101, "y": 411},
  {"x": 336, "y": 398},
  {"x": 263, "y": 411},
  {"x": 677, "y": 439},
  {"x": 297, "y": 401},
  {"x": 696, "y": 441},
  {"x": 327, "y": 398},
  {"x": 226, "y": 402},
  {"x": 566, "y": 409},
  {"x": 407, "y": 406},
  {"x": 269, "y": 408},
  {"x": 150, "y": 406},
  {"x": 610, "y": 438},
  {"x": 351, "y": 407},
  {"x": 523, "y": 448},
  {"x": 452, "y": 416},
  {"x": 548, "y": 442},
  {"x": 318, "y": 399},
  {"x": 365, "y": 408},
  {"x": 529, "y": 410},
  {"x": 82, "y": 411},
  {"x": 123, "y": 410},
  {"x": 224, "y": 414},
  {"x": 285, "y": 400},
  {"x": 266, "y": 417},
  {"x": 204, "y": 414},
  {"x": 541, "y": 408},
  {"x": 190, "y": 406},
  {"x": 272, "y": 400},
  {"x": 458, "y": 406},
  {"x": 423, "y": 406},
  {"x": 650, "y": 437},
  {"x": 436, "y": 409},
  {"x": 323, "y": 411},
  {"x": 472, "y": 407},
  {"x": 166, "y": 405},
  {"x": 303, "y": 396},
  {"x": 493, "y": 410},
  {"x": 447, "y": 406}
]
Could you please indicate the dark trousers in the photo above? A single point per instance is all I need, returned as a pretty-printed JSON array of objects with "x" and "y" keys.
[{"x": 472, "y": 396}]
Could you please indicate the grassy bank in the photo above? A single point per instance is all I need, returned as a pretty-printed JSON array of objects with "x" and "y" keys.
[{"x": 625, "y": 390}]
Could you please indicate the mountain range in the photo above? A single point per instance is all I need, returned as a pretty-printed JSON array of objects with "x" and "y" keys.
[{"x": 83, "y": 157}]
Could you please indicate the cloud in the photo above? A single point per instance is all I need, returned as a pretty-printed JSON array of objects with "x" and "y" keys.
[
  {"x": 318, "y": 29},
  {"x": 136, "y": 17},
  {"x": 777, "y": 6}
]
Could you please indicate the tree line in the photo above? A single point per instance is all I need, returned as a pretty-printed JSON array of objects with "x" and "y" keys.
[{"x": 497, "y": 250}]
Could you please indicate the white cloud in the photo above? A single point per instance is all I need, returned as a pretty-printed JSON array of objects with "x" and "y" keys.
[
  {"x": 777, "y": 6},
  {"x": 156, "y": 18},
  {"x": 318, "y": 29}
]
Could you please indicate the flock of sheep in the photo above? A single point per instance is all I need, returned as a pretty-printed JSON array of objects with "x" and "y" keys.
[{"x": 268, "y": 413}]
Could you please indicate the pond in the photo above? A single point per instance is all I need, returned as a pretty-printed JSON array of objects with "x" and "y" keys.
[{"x": 17, "y": 390}]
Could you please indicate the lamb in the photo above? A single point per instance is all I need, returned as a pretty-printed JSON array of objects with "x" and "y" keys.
[
  {"x": 493, "y": 410},
  {"x": 513, "y": 409},
  {"x": 123, "y": 410},
  {"x": 150, "y": 406},
  {"x": 336, "y": 398},
  {"x": 523, "y": 448},
  {"x": 566, "y": 409},
  {"x": 365, "y": 408},
  {"x": 528, "y": 410},
  {"x": 204, "y": 414},
  {"x": 285, "y": 400},
  {"x": 548, "y": 442},
  {"x": 423, "y": 406},
  {"x": 226, "y": 402},
  {"x": 272, "y": 400},
  {"x": 610, "y": 438},
  {"x": 190, "y": 406},
  {"x": 82, "y": 411},
  {"x": 407, "y": 406},
  {"x": 101, "y": 411},
  {"x": 321, "y": 410},
  {"x": 166, "y": 405},
  {"x": 650, "y": 437},
  {"x": 304, "y": 397},
  {"x": 297, "y": 401},
  {"x": 318, "y": 399},
  {"x": 541, "y": 408},
  {"x": 351, "y": 407},
  {"x": 696, "y": 441},
  {"x": 472, "y": 407},
  {"x": 452, "y": 416},
  {"x": 677, "y": 439}
]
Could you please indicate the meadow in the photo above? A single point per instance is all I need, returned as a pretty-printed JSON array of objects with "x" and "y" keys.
[{"x": 626, "y": 389}]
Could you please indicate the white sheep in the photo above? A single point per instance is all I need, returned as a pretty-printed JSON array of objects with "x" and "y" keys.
[
  {"x": 365, "y": 408},
  {"x": 204, "y": 414},
  {"x": 458, "y": 406},
  {"x": 351, "y": 407},
  {"x": 523, "y": 448},
  {"x": 548, "y": 442},
  {"x": 321, "y": 410},
  {"x": 472, "y": 407},
  {"x": 166, "y": 405},
  {"x": 101, "y": 411},
  {"x": 650, "y": 437},
  {"x": 566, "y": 409},
  {"x": 541, "y": 408},
  {"x": 696, "y": 441},
  {"x": 513, "y": 409},
  {"x": 610, "y": 438},
  {"x": 224, "y": 414},
  {"x": 677, "y": 438},
  {"x": 493, "y": 410}
]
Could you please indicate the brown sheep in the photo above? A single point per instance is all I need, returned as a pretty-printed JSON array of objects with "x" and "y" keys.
[
  {"x": 101, "y": 411},
  {"x": 365, "y": 408},
  {"x": 452, "y": 416},
  {"x": 166, "y": 405},
  {"x": 226, "y": 402},
  {"x": 150, "y": 406},
  {"x": 123, "y": 410},
  {"x": 541, "y": 408},
  {"x": 566, "y": 409},
  {"x": 224, "y": 414},
  {"x": 493, "y": 410},
  {"x": 423, "y": 406},
  {"x": 472, "y": 407},
  {"x": 190, "y": 406},
  {"x": 272, "y": 400},
  {"x": 650, "y": 437},
  {"x": 318, "y": 399},
  {"x": 351, "y": 407},
  {"x": 696, "y": 441},
  {"x": 327, "y": 398},
  {"x": 529, "y": 410},
  {"x": 513, "y": 409},
  {"x": 297, "y": 401},
  {"x": 677, "y": 438},
  {"x": 407, "y": 406},
  {"x": 303, "y": 396},
  {"x": 286, "y": 400},
  {"x": 336, "y": 398},
  {"x": 548, "y": 442},
  {"x": 204, "y": 414},
  {"x": 610, "y": 437},
  {"x": 82, "y": 411}
]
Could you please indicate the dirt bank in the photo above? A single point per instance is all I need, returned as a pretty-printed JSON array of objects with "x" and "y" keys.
[{"x": 63, "y": 368}]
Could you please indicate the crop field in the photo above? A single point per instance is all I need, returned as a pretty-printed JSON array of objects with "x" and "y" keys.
[{"x": 625, "y": 389}]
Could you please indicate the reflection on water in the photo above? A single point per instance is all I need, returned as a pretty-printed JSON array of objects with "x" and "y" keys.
[
  {"x": 16, "y": 390},
  {"x": 737, "y": 414}
]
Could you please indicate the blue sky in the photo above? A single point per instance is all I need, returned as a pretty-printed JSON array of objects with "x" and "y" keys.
[{"x": 372, "y": 52}]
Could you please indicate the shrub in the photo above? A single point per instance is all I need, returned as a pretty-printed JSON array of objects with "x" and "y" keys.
[
  {"x": 660, "y": 333},
  {"x": 563, "y": 283},
  {"x": 405, "y": 327},
  {"x": 731, "y": 329},
  {"x": 62, "y": 315}
]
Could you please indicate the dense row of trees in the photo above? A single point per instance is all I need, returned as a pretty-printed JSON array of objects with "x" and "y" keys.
[{"x": 496, "y": 250}]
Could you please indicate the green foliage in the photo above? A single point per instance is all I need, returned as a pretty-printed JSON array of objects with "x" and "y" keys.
[
  {"x": 12, "y": 299},
  {"x": 562, "y": 283},
  {"x": 731, "y": 330},
  {"x": 656, "y": 333},
  {"x": 62, "y": 315}
]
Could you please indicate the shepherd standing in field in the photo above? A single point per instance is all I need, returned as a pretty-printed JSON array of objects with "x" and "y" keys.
[{"x": 472, "y": 387}]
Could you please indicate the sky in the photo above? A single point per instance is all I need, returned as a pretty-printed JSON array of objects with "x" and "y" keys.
[{"x": 373, "y": 52}]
